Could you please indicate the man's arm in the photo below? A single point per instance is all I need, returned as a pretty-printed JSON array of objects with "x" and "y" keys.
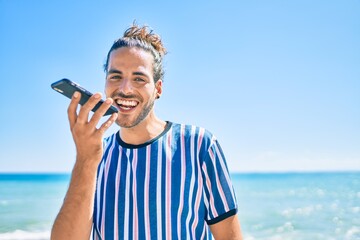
[
  {"x": 74, "y": 220},
  {"x": 227, "y": 229}
]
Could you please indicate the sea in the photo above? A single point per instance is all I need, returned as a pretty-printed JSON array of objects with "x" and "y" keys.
[{"x": 272, "y": 206}]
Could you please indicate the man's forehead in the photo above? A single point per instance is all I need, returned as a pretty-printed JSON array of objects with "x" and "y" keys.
[
  {"x": 131, "y": 52},
  {"x": 125, "y": 59}
]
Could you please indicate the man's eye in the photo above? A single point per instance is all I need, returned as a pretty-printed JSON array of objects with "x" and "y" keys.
[
  {"x": 139, "y": 80},
  {"x": 114, "y": 77}
]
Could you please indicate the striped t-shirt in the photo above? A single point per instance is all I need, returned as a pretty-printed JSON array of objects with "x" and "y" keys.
[{"x": 171, "y": 187}]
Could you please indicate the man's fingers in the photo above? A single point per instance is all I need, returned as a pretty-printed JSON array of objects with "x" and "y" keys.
[
  {"x": 72, "y": 115},
  {"x": 83, "y": 116},
  {"x": 87, "y": 107},
  {"x": 100, "y": 112},
  {"x": 107, "y": 124}
]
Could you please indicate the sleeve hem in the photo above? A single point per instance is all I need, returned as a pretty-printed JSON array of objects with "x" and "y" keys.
[{"x": 222, "y": 217}]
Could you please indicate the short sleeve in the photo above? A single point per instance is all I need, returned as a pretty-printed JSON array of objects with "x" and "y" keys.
[{"x": 219, "y": 195}]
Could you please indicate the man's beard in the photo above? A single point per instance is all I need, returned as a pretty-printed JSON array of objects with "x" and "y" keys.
[{"x": 142, "y": 115}]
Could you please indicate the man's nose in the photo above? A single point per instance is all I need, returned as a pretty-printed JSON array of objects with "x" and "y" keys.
[{"x": 126, "y": 86}]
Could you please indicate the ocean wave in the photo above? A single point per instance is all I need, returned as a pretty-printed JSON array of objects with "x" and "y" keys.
[
  {"x": 24, "y": 235},
  {"x": 301, "y": 211},
  {"x": 353, "y": 233}
]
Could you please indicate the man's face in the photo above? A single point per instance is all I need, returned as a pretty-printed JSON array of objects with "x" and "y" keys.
[{"x": 129, "y": 81}]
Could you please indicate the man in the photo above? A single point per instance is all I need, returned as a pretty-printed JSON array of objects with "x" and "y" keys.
[{"x": 153, "y": 179}]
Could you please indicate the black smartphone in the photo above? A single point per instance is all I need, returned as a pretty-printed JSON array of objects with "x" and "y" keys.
[{"x": 67, "y": 88}]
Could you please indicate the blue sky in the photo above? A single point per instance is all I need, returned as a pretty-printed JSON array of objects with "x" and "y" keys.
[{"x": 278, "y": 82}]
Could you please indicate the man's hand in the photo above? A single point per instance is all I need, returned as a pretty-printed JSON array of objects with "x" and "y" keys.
[
  {"x": 87, "y": 137},
  {"x": 74, "y": 220}
]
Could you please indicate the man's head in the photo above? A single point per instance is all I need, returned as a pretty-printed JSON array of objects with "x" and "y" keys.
[
  {"x": 134, "y": 75},
  {"x": 145, "y": 39}
]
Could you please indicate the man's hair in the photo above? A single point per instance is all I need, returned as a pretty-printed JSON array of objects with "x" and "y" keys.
[{"x": 145, "y": 39}]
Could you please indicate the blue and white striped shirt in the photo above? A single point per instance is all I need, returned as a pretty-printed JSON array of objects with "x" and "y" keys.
[{"x": 171, "y": 187}]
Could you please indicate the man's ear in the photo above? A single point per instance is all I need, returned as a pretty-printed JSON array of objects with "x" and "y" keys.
[{"x": 158, "y": 86}]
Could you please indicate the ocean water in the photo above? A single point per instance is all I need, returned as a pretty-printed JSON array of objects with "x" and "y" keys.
[
  {"x": 309, "y": 206},
  {"x": 271, "y": 206},
  {"x": 29, "y": 204}
]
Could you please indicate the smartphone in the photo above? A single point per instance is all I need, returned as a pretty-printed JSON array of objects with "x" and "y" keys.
[{"x": 67, "y": 88}]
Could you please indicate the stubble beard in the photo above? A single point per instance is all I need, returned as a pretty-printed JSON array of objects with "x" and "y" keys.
[{"x": 125, "y": 123}]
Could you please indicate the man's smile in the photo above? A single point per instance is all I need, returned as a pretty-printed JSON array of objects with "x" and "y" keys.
[{"x": 126, "y": 105}]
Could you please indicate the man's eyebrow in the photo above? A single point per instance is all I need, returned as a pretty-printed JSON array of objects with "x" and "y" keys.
[
  {"x": 114, "y": 71},
  {"x": 140, "y": 74}
]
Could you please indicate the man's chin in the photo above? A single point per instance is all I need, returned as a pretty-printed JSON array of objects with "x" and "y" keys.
[
  {"x": 130, "y": 121},
  {"x": 126, "y": 124}
]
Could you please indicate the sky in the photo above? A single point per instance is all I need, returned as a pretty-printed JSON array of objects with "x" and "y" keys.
[{"x": 278, "y": 82}]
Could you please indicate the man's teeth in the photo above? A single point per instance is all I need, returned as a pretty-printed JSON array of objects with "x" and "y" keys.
[{"x": 126, "y": 103}]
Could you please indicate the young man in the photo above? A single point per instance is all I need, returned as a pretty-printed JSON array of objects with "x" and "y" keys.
[{"x": 153, "y": 179}]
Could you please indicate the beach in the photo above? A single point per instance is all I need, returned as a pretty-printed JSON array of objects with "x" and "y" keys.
[{"x": 273, "y": 206}]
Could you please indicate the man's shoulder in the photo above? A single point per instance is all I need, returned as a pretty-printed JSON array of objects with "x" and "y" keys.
[{"x": 191, "y": 130}]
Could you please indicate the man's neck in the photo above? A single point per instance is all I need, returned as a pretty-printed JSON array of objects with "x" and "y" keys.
[{"x": 145, "y": 131}]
